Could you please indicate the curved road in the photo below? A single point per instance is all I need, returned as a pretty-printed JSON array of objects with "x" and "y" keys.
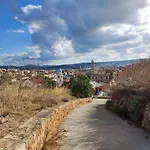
[{"x": 92, "y": 127}]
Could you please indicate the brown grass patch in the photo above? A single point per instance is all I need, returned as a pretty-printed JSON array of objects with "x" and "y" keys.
[
  {"x": 53, "y": 143},
  {"x": 17, "y": 105},
  {"x": 20, "y": 101}
]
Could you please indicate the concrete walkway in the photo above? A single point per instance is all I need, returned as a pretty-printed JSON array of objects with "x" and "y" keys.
[{"x": 92, "y": 127}]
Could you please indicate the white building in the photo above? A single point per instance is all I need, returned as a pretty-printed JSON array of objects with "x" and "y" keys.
[{"x": 59, "y": 77}]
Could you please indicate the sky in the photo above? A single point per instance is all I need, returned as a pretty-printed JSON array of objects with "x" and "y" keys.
[{"x": 50, "y": 32}]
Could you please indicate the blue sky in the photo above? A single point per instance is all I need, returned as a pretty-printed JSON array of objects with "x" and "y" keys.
[
  {"x": 13, "y": 42},
  {"x": 72, "y": 31}
]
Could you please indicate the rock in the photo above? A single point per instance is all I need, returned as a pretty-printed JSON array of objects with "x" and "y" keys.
[
  {"x": 65, "y": 100},
  {"x": 2, "y": 120},
  {"x": 146, "y": 137},
  {"x": 64, "y": 130}
]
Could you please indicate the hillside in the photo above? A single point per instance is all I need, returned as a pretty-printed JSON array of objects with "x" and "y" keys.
[
  {"x": 75, "y": 66},
  {"x": 131, "y": 97}
]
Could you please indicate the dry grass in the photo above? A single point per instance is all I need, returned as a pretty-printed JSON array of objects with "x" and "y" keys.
[
  {"x": 54, "y": 142},
  {"x": 20, "y": 101},
  {"x": 18, "y": 105},
  {"x": 140, "y": 74}
]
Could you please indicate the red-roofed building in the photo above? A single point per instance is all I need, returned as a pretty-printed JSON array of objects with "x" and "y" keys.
[
  {"x": 37, "y": 80},
  {"x": 104, "y": 87},
  {"x": 123, "y": 75}
]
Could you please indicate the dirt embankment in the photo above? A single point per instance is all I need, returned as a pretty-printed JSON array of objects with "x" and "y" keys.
[{"x": 21, "y": 110}]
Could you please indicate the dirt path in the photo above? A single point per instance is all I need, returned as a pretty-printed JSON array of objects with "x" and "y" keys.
[{"x": 92, "y": 127}]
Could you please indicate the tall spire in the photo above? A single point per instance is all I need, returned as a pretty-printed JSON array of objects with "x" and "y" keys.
[{"x": 92, "y": 67}]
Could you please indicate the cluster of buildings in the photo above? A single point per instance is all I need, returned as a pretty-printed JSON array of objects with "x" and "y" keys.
[
  {"x": 102, "y": 78},
  {"x": 35, "y": 76},
  {"x": 63, "y": 76}
]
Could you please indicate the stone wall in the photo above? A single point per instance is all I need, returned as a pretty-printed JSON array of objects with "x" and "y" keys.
[
  {"x": 50, "y": 125},
  {"x": 138, "y": 108},
  {"x": 146, "y": 118}
]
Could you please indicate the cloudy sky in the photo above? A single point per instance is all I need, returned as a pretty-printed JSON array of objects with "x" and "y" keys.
[{"x": 71, "y": 31}]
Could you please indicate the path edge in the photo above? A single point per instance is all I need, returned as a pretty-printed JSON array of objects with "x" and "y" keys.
[{"x": 50, "y": 125}]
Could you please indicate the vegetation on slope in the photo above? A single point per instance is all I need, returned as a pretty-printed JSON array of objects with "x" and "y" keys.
[
  {"x": 130, "y": 97},
  {"x": 18, "y": 104}
]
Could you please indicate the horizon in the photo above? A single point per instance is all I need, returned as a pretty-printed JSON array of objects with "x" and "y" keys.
[
  {"x": 56, "y": 33},
  {"x": 80, "y": 63}
]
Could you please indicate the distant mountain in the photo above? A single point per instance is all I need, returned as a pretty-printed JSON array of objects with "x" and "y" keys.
[{"x": 76, "y": 66}]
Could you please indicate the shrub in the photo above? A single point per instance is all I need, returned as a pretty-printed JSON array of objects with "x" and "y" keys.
[
  {"x": 131, "y": 95},
  {"x": 81, "y": 86},
  {"x": 136, "y": 111},
  {"x": 5, "y": 79},
  {"x": 121, "y": 112},
  {"x": 108, "y": 104},
  {"x": 140, "y": 73},
  {"x": 49, "y": 82}
]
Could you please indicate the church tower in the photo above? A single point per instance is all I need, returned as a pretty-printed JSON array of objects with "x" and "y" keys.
[{"x": 92, "y": 67}]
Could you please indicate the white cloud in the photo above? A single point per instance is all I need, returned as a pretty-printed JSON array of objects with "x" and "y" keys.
[
  {"x": 35, "y": 26},
  {"x": 93, "y": 30},
  {"x": 63, "y": 48},
  {"x": 32, "y": 47},
  {"x": 29, "y": 8},
  {"x": 33, "y": 51},
  {"x": 17, "y": 31},
  {"x": 144, "y": 15},
  {"x": 1, "y": 48}
]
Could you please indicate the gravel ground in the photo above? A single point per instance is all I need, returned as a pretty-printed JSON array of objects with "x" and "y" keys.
[{"x": 92, "y": 127}]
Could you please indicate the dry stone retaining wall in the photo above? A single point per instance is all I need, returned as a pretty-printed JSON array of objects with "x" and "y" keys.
[
  {"x": 32, "y": 134},
  {"x": 138, "y": 108},
  {"x": 50, "y": 125}
]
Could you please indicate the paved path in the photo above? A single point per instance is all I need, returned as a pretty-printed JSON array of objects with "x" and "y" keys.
[{"x": 92, "y": 127}]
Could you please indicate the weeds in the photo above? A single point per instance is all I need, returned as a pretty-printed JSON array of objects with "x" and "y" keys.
[
  {"x": 19, "y": 104},
  {"x": 13, "y": 99}
]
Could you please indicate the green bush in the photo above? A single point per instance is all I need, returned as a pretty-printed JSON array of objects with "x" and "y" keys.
[
  {"x": 81, "y": 86},
  {"x": 49, "y": 82}
]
